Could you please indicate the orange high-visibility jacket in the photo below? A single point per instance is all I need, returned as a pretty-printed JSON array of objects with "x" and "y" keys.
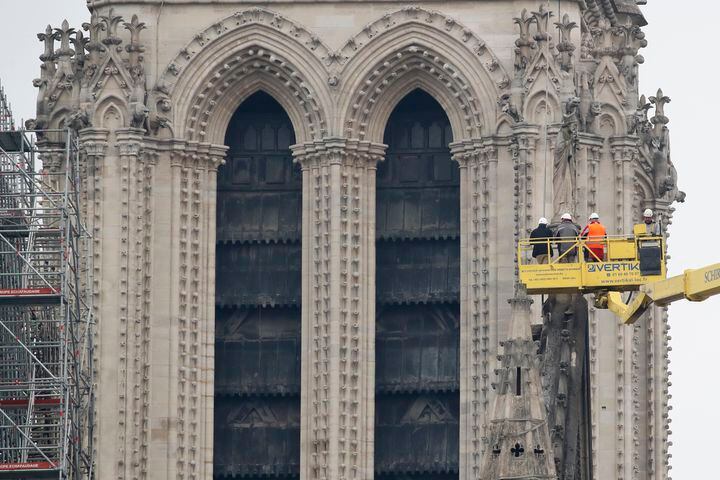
[{"x": 595, "y": 233}]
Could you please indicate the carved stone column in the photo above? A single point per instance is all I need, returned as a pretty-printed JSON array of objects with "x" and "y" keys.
[
  {"x": 588, "y": 149},
  {"x": 191, "y": 333},
  {"x": 624, "y": 151},
  {"x": 338, "y": 308},
  {"x": 93, "y": 147},
  {"x": 478, "y": 327},
  {"x": 525, "y": 139}
]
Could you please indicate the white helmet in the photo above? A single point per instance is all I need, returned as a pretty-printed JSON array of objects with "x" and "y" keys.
[
  {"x": 543, "y": 221},
  {"x": 648, "y": 213},
  {"x": 594, "y": 216},
  {"x": 566, "y": 216}
]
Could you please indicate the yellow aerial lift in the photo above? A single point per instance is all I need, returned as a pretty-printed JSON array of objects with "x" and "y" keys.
[{"x": 633, "y": 263}]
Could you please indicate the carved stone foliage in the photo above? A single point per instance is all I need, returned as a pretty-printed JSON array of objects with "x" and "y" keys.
[
  {"x": 535, "y": 52},
  {"x": 619, "y": 42},
  {"x": 84, "y": 71}
]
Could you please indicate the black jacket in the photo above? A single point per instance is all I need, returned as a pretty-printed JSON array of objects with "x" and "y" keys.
[{"x": 540, "y": 233}]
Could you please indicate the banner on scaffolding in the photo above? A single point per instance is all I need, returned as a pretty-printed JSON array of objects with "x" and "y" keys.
[
  {"x": 13, "y": 292},
  {"x": 4, "y": 467}
]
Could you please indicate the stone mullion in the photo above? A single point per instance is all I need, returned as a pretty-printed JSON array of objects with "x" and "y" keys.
[
  {"x": 180, "y": 362},
  {"x": 593, "y": 383},
  {"x": 527, "y": 138},
  {"x": 314, "y": 409},
  {"x": 132, "y": 386},
  {"x": 623, "y": 151},
  {"x": 338, "y": 406},
  {"x": 139, "y": 387},
  {"x": 365, "y": 331},
  {"x": 476, "y": 344},
  {"x": 206, "y": 368},
  {"x": 587, "y": 173},
  {"x": 93, "y": 144},
  {"x": 332, "y": 191},
  {"x": 594, "y": 171},
  {"x": 469, "y": 375},
  {"x": 146, "y": 211},
  {"x": 664, "y": 396},
  {"x": 197, "y": 172},
  {"x": 652, "y": 375},
  {"x": 176, "y": 235}
]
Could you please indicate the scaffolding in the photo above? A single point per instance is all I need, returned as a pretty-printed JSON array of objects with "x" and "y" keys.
[{"x": 46, "y": 321}]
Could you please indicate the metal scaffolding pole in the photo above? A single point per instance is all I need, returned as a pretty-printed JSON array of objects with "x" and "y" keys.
[{"x": 46, "y": 322}]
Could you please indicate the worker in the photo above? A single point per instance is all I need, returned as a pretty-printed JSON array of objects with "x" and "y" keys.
[
  {"x": 651, "y": 226},
  {"x": 539, "y": 239},
  {"x": 567, "y": 229},
  {"x": 595, "y": 233}
]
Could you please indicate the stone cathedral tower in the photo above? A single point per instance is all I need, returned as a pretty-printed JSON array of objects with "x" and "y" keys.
[{"x": 304, "y": 216}]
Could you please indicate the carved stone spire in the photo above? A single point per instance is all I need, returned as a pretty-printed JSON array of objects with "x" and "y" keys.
[{"x": 518, "y": 433}]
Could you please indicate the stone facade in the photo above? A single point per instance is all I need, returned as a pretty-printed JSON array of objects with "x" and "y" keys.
[{"x": 151, "y": 87}]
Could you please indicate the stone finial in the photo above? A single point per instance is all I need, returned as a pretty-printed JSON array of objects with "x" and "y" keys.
[
  {"x": 659, "y": 100},
  {"x": 64, "y": 33},
  {"x": 94, "y": 28},
  {"x": 566, "y": 47},
  {"x": 524, "y": 42},
  {"x": 135, "y": 27},
  {"x": 80, "y": 43},
  {"x": 542, "y": 20},
  {"x": 111, "y": 22},
  {"x": 523, "y": 22},
  {"x": 565, "y": 27},
  {"x": 48, "y": 38}
]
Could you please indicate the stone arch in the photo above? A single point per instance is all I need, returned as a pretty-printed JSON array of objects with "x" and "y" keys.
[
  {"x": 415, "y": 48},
  {"x": 504, "y": 125},
  {"x": 59, "y": 118},
  {"x": 542, "y": 100},
  {"x": 110, "y": 105},
  {"x": 644, "y": 188},
  {"x": 611, "y": 122},
  {"x": 237, "y": 56}
]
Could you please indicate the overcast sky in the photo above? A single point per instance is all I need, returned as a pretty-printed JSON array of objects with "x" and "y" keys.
[{"x": 681, "y": 59}]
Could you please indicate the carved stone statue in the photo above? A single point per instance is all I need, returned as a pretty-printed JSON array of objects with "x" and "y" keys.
[
  {"x": 565, "y": 164},
  {"x": 507, "y": 106}
]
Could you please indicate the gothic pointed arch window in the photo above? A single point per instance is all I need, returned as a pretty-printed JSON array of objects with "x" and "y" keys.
[
  {"x": 418, "y": 296},
  {"x": 257, "y": 299}
]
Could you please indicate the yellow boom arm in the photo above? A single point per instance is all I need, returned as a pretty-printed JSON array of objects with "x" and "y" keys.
[{"x": 694, "y": 285}]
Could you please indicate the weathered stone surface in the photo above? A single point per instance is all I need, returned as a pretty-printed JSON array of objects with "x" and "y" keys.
[{"x": 152, "y": 87}]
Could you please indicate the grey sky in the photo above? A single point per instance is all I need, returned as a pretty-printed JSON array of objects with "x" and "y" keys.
[{"x": 679, "y": 59}]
